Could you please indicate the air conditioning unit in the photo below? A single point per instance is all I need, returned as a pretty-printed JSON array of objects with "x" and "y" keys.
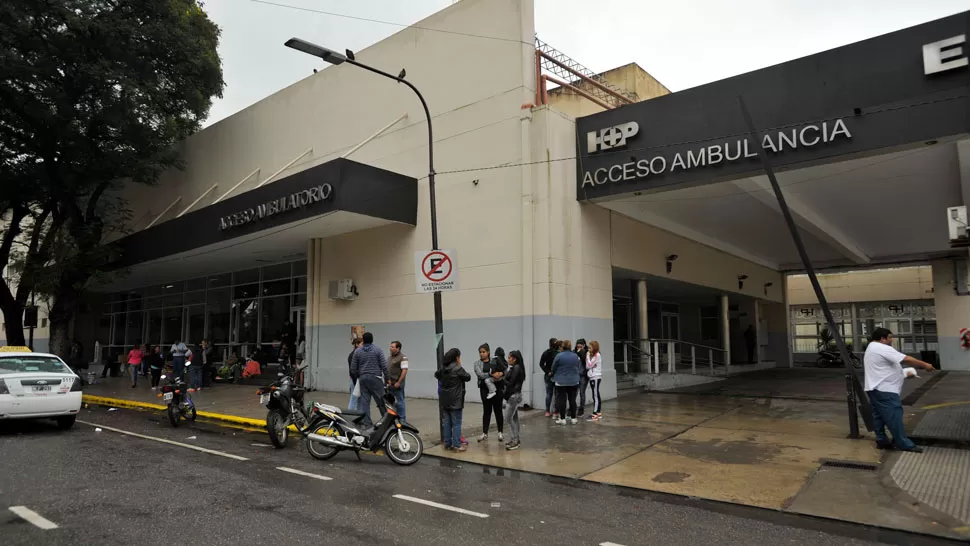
[
  {"x": 956, "y": 219},
  {"x": 343, "y": 289}
]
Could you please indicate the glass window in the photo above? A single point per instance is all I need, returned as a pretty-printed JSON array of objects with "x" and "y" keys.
[
  {"x": 275, "y": 312},
  {"x": 172, "y": 287},
  {"x": 299, "y": 299},
  {"x": 276, "y": 288},
  {"x": 218, "y": 307},
  {"x": 118, "y": 329},
  {"x": 171, "y": 326},
  {"x": 300, "y": 284},
  {"x": 299, "y": 268},
  {"x": 245, "y": 291},
  {"x": 806, "y": 345},
  {"x": 118, "y": 307},
  {"x": 278, "y": 271},
  {"x": 172, "y": 300},
  {"x": 31, "y": 363},
  {"x": 134, "y": 302},
  {"x": 136, "y": 321},
  {"x": 246, "y": 315},
  {"x": 195, "y": 284},
  {"x": 104, "y": 329},
  {"x": 154, "y": 303},
  {"x": 154, "y": 330},
  {"x": 194, "y": 324},
  {"x": 192, "y": 298},
  {"x": 806, "y": 330},
  {"x": 243, "y": 277},
  {"x": 216, "y": 281}
]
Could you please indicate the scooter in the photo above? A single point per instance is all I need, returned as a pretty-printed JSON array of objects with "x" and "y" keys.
[
  {"x": 284, "y": 402},
  {"x": 179, "y": 401},
  {"x": 333, "y": 430},
  {"x": 830, "y": 358}
]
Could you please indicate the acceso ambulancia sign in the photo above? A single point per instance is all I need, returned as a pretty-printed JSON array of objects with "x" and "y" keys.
[
  {"x": 296, "y": 200},
  {"x": 805, "y": 136}
]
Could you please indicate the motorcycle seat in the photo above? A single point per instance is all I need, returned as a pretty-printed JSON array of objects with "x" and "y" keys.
[{"x": 353, "y": 412}]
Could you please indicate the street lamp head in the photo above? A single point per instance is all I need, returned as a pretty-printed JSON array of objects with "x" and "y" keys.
[{"x": 327, "y": 55}]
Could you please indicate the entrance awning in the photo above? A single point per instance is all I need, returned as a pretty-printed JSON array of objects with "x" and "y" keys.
[
  {"x": 866, "y": 140},
  {"x": 268, "y": 224}
]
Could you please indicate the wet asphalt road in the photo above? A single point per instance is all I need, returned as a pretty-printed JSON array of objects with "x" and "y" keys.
[{"x": 110, "y": 488}]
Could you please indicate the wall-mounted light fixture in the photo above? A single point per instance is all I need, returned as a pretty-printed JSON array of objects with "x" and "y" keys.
[
  {"x": 767, "y": 286},
  {"x": 741, "y": 281},
  {"x": 670, "y": 262}
]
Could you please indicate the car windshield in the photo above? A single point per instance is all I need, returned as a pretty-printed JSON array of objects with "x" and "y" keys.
[{"x": 31, "y": 363}]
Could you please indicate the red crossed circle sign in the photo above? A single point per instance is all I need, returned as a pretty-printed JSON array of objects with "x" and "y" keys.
[{"x": 436, "y": 266}]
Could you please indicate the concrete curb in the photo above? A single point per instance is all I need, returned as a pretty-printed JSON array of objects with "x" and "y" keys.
[{"x": 121, "y": 403}]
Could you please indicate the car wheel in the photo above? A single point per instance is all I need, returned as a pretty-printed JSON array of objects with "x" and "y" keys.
[{"x": 66, "y": 422}]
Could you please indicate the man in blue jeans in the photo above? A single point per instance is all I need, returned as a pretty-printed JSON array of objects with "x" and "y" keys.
[
  {"x": 884, "y": 381},
  {"x": 369, "y": 366},
  {"x": 397, "y": 367}
]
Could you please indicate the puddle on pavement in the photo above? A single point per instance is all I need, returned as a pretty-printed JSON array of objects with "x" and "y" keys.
[
  {"x": 726, "y": 451},
  {"x": 670, "y": 477}
]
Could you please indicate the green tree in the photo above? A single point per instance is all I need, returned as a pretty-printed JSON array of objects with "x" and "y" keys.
[{"x": 94, "y": 94}]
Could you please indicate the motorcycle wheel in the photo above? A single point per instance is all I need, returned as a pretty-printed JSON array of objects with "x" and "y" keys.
[
  {"x": 318, "y": 450},
  {"x": 856, "y": 362},
  {"x": 824, "y": 362},
  {"x": 392, "y": 446},
  {"x": 276, "y": 426},
  {"x": 173, "y": 414},
  {"x": 190, "y": 413}
]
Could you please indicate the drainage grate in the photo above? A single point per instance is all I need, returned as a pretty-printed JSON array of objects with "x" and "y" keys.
[{"x": 850, "y": 465}]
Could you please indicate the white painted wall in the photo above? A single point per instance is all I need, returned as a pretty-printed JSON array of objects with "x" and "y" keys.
[{"x": 952, "y": 313}]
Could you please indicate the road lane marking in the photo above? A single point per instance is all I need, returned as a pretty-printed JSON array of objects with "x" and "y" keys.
[
  {"x": 170, "y": 442},
  {"x": 30, "y": 516},
  {"x": 302, "y": 473},
  {"x": 609, "y": 544},
  {"x": 442, "y": 506}
]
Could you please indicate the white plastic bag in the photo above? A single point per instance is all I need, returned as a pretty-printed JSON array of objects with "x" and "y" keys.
[{"x": 356, "y": 392}]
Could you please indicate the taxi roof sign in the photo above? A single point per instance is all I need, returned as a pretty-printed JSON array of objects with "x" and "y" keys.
[{"x": 15, "y": 349}]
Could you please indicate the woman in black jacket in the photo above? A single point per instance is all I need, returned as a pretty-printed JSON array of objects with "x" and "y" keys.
[
  {"x": 452, "y": 380},
  {"x": 514, "y": 379}
]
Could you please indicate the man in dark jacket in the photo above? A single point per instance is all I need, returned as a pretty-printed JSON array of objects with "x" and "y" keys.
[
  {"x": 545, "y": 364},
  {"x": 581, "y": 351},
  {"x": 452, "y": 379},
  {"x": 369, "y": 365}
]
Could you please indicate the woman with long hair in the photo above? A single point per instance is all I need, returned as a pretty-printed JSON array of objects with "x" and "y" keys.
[
  {"x": 513, "y": 397},
  {"x": 452, "y": 379},
  {"x": 491, "y": 369},
  {"x": 594, "y": 371}
]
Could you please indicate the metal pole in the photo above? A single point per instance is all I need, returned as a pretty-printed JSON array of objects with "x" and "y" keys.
[
  {"x": 439, "y": 329},
  {"x": 30, "y": 338},
  {"x": 850, "y": 377}
]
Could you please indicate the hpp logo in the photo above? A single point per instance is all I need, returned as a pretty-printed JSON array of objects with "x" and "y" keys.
[{"x": 611, "y": 137}]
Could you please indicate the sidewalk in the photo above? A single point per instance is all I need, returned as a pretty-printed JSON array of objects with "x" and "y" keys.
[{"x": 742, "y": 445}]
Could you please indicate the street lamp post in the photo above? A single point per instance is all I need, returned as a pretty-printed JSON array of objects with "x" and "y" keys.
[{"x": 335, "y": 58}]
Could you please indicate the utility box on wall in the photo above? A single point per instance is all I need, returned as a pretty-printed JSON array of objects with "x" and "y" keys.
[{"x": 342, "y": 289}]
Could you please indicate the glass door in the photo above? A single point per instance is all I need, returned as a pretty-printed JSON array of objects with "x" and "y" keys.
[
  {"x": 245, "y": 325},
  {"x": 298, "y": 318}
]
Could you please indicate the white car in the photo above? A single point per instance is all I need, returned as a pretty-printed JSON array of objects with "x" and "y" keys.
[{"x": 38, "y": 386}]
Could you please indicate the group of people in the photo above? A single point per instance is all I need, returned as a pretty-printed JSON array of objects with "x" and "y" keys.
[
  {"x": 147, "y": 360},
  {"x": 569, "y": 373}
]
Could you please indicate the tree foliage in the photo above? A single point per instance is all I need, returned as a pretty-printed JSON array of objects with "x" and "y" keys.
[{"x": 94, "y": 94}]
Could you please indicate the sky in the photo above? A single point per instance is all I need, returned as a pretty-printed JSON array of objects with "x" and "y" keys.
[{"x": 682, "y": 43}]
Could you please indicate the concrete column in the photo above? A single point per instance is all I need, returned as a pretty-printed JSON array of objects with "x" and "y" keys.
[
  {"x": 642, "y": 332},
  {"x": 726, "y": 328}
]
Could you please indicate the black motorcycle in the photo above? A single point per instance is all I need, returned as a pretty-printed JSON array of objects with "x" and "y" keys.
[
  {"x": 334, "y": 430},
  {"x": 829, "y": 357},
  {"x": 179, "y": 401},
  {"x": 284, "y": 400}
]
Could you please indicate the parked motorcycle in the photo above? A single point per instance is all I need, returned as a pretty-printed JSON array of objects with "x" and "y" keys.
[
  {"x": 333, "y": 430},
  {"x": 284, "y": 402},
  {"x": 830, "y": 358},
  {"x": 179, "y": 401}
]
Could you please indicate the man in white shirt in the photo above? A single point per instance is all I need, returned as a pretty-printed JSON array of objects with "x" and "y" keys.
[{"x": 884, "y": 381}]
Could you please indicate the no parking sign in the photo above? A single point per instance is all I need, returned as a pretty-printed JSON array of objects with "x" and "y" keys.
[{"x": 435, "y": 271}]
